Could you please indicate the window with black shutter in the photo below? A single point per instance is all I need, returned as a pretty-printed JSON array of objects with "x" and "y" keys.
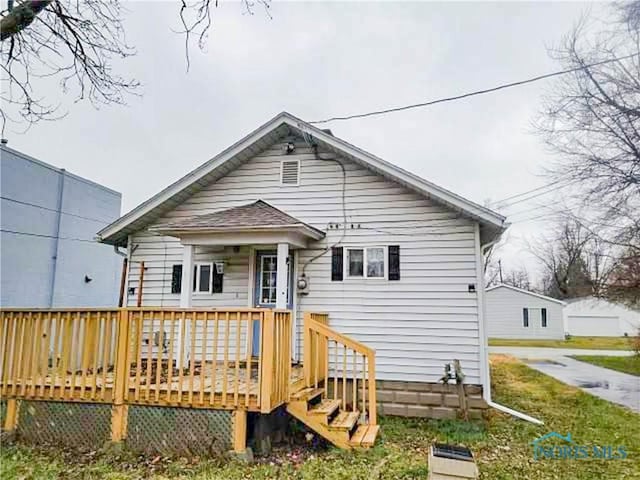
[
  {"x": 394, "y": 262},
  {"x": 525, "y": 317},
  {"x": 176, "y": 279},
  {"x": 217, "y": 280},
  {"x": 337, "y": 269},
  {"x": 544, "y": 317}
]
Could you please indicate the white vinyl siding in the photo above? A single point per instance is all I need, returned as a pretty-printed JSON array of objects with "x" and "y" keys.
[
  {"x": 416, "y": 324},
  {"x": 596, "y": 317},
  {"x": 506, "y": 317}
]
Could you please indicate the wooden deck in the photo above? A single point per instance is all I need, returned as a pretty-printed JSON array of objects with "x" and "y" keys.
[
  {"x": 212, "y": 385},
  {"x": 190, "y": 358}
]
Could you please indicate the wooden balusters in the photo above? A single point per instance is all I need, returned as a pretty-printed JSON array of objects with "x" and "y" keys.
[{"x": 132, "y": 354}]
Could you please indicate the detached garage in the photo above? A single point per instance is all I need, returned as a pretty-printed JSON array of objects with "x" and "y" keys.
[
  {"x": 516, "y": 313},
  {"x": 594, "y": 317}
]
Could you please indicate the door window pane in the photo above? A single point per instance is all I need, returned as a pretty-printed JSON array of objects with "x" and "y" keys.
[
  {"x": 375, "y": 262},
  {"x": 205, "y": 278},
  {"x": 355, "y": 262},
  {"x": 268, "y": 274}
]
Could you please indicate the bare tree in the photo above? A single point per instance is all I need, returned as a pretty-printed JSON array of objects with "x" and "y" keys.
[
  {"x": 575, "y": 261},
  {"x": 624, "y": 281},
  {"x": 518, "y": 278},
  {"x": 77, "y": 43},
  {"x": 591, "y": 119}
]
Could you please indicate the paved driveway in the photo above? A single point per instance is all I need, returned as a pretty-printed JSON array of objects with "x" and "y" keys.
[
  {"x": 616, "y": 387},
  {"x": 545, "y": 352}
]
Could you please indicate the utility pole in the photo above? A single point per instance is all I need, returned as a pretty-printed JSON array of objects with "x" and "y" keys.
[{"x": 500, "y": 269}]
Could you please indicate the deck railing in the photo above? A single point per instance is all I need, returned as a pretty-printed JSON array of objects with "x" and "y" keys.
[
  {"x": 58, "y": 354},
  {"x": 345, "y": 367},
  {"x": 182, "y": 357}
]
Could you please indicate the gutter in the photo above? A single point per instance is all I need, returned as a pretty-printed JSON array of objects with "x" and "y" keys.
[{"x": 486, "y": 390}]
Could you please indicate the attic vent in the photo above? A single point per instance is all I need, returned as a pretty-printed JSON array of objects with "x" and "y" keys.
[{"x": 290, "y": 172}]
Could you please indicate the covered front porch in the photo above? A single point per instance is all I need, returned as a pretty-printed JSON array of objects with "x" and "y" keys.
[{"x": 244, "y": 255}]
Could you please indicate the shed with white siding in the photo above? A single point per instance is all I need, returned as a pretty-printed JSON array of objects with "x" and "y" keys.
[
  {"x": 395, "y": 260},
  {"x": 519, "y": 314}
]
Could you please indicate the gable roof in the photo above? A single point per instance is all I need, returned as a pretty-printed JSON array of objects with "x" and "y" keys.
[
  {"x": 526, "y": 292},
  {"x": 256, "y": 215},
  {"x": 492, "y": 224}
]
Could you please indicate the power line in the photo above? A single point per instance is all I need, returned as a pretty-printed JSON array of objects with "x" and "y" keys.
[
  {"x": 555, "y": 182},
  {"x": 31, "y": 234},
  {"x": 54, "y": 210},
  {"x": 474, "y": 93},
  {"x": 531, "y": 197}
]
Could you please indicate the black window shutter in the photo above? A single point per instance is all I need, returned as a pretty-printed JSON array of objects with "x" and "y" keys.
[
  {"x": 337, "y": 267},
  {"x": 217, "y": 280},
  {"x": 525, "y": 317},
  {"x": 394, "y": 262},
  {"x": 544, "y": 317},
  {"x": 176, "y": 279}
]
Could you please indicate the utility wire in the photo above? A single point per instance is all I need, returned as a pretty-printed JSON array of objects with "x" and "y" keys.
[
  {"x": 31, "y": 234},
  {"x": 54, "y": 210},
  {"x": 542, "y": 187},
  {"x": 531, "y": 197},
  {"x": 474, "y": 93}
]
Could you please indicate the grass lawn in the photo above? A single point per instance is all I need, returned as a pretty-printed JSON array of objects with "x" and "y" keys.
[
  {"x": 501, "y": 444},
  {"x": 621, "y": 364},
  {"x": 594, "y": 343}
]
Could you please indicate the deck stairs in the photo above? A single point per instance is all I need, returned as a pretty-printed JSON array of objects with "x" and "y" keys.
[{"x": 330, "y": 419}]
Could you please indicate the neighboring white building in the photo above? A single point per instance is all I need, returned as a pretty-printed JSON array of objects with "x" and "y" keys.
[
  {"x": 594, "y": 317},
  {"x": 516, "y": 313},
  {"x": 48, "y": 222},
  {"x": 402, "y": 275}
]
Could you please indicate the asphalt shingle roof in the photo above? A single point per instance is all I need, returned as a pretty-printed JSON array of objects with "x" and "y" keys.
[{"x": 256, "y": 214}]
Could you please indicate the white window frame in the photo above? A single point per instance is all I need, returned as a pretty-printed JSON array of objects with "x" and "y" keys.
[
  {"x": 197, "y": 266},
  {"x": 364, "y": 275},
  {"x": 282, "y": 184}
]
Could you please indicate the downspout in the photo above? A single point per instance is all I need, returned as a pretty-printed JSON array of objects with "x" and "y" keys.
[
  {"x": 56, "y": 237},
  {"x": 123, "y": 275},
  {"x": 486, "y": 390}
]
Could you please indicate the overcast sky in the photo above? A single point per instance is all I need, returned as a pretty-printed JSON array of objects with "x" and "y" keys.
[{"x": 317, "y": 60}]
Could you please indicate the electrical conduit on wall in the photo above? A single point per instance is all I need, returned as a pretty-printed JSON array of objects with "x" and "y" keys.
[{"x": 56, "y": 237}]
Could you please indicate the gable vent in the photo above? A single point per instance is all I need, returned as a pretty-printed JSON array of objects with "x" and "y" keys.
[{"x": 290, "y": 172}]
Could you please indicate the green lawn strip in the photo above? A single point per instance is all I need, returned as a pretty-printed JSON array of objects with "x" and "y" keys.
[
  {"x": 593, "y": 343},
  {"x": 629, "y": 364},
  {"x": 501, "y": 444}
]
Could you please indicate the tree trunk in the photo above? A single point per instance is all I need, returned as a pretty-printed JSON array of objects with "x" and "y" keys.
[{"x": 21, "y": 17}]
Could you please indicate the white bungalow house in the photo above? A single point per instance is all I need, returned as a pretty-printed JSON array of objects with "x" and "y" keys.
[
  {"x": 293, "y": 217},
  {"x": 596, "y": 317},
  {"x": 516, "y": 313}
]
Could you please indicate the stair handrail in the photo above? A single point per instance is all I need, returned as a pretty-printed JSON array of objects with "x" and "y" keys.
[{"x": 316, "y": 353}]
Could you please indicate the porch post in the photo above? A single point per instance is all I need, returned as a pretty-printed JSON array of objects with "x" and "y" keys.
[
  {"x": 185, "y": 302},
  {"x": 282, "y": 279},
  {"x": 187, "y": 276}
]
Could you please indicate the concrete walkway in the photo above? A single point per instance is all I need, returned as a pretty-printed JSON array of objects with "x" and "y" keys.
[
  {"x": 546, "y": 352},
  {"x": 616, "y": 387}
]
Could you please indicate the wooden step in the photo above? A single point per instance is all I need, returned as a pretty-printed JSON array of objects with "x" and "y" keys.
[
  {"x": 326, "y": 407},
  {"x": 344, "y": 421},
  {"x": 307, "y": 394},
  {"x": 364, "y": 436}
]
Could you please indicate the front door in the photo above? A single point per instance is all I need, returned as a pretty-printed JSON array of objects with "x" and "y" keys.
[
  {"x": 265, "y": 287},
  {"x": 535, "y": 320}
]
